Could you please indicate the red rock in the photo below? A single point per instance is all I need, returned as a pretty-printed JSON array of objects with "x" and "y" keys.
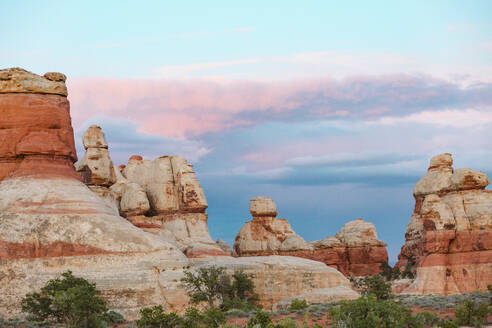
[
  {"x": 449, "y": 238},
  {"x": 135, "y": 158},
  {"x": 36, "y": 137}
]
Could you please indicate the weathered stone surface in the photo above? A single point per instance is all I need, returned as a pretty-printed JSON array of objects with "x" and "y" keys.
[
  {"x": 94, "y": 138},
  {"x": 262, "y": 206},
  {"x": 322, "y": 295},
  {"x": 225, "y": 247},
  {"x": 447, "y": 239},
  {"x": 18, "y": 80},
  {"x": 96, "y": 167},
  {"x": 279, "y": 277},
  {"x": 36, "y": 137},
  {"x": 177, "y": 202},
  {"x": 359, "y": 233},
  {"x": 355, "y": 250}
]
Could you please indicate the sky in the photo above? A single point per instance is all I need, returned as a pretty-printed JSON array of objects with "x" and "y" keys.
[{"x": 331, "y": 108}]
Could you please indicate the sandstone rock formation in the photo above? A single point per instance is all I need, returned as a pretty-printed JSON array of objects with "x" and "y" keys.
[
  {"x": 448, "y": 240},
  {"x": 279, "y": 277},
  {"x": 355, "y": 250},
  {"x": 51, "y": 222},
  {"x": 225, "y": 247},
  {"x": 163, "y": 196}
]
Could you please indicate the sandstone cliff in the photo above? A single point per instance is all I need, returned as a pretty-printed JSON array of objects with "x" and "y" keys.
[
  {"x": 448, "y": 241},
  {"x": 50, "y": 221},
  {"x": 354, "y": 250}
]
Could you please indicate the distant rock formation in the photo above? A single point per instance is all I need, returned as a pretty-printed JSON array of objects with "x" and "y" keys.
[
  {"x": 355, "y": 250},
  {"x": 448, "y": 240}
]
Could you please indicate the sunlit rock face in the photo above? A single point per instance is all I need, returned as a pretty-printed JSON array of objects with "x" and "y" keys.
[
  {"x": 449, "y": 237},
  {"x": 355, "y": 250},
  {"x": 163, "y": 196},
  {"x": 51, "y": 222}
]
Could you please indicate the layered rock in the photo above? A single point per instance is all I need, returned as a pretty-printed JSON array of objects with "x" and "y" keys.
[
  {"x": 51, "y": 222},
  {"x": 36, "y": 136},
  {"x": 96, "y": 167},
  {"x": 355, "y": 250},
  {"x": 278, "y": 278},
  {"x": 176, "y": 202},
  {"x": 448, "y": 241}
]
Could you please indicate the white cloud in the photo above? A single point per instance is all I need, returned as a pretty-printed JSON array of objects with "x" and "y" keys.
[{"x": 452, "y": 118}]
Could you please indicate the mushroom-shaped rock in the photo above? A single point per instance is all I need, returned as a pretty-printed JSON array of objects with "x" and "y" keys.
[
  {"x": 438, "y": 176},
  {"x": 94, "y": 138},
  {"x": 262, "y": 206}
]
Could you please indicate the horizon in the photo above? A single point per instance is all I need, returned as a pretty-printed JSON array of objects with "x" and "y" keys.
[{"x": 332, "y": 110}]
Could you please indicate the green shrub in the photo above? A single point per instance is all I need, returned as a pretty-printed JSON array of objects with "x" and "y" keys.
[
  {"x": 298, "y": 304},
  {"x": 447, "y": 324},
  {"x": 113, "y": 317},
  {"x": 213, "y": 318},
  {"x": 368, "y": 311},
  {"x": 377, "y": 286},
  {"x": 214, "y": 286},
  {"x": 287, "y": 323},
  {"x": 155, "y": 317},
  {"x": 261, "y": 319},
  {"x": 469, "y": 313},
  {"x": 388, "y": 272},
  {"x": 426, "y": 319},
  {"x": 70, "y": 300},
  {"x": 191, "y": 318}
]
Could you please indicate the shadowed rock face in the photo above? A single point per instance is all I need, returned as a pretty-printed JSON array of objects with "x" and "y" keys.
[
  {"x": 449, "y": 237},
  {"x": 355, "y": 250}
]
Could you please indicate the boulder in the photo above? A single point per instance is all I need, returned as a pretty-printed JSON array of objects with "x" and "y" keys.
[
  {"x": 262, "y": 206},
  {"x": 447, "y": 240}
]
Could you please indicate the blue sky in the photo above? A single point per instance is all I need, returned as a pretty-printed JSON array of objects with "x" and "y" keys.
[{"x": 331, "y": 108}]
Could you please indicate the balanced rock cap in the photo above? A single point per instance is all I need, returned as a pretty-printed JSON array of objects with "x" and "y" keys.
[
  {"x": 441, "y": 161},
  {"x": 262, "y": 206},
  {"x": 18, "y": 80},
  {"x": 94, "y": 138}
]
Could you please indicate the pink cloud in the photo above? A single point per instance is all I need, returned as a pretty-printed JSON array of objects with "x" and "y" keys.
[{"x": 181, "y": 108}]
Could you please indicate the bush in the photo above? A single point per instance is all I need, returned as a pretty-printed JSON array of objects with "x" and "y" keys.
[
  {"x": 207, "y": 285},
  {"x": 214, "y": 318},
  {"x": 155, "y": 317},
  {"x": 214, "y": 286},
  {"x": 388, "y": 272},
  {"x": 426, "y": 319},
  {"x": 377, "y": 286},
  {"x": 471, "y": 314},
  {"x": 367, "y": 311},
  {"x": 261, "y": 319},
  {"x": 447, "y": 324},
  {"x": 298, "y": 304},
  {"x": 70, "y": 300},
  {"x": 287, "y": 323},
  {"x": 113, "y": 317}
]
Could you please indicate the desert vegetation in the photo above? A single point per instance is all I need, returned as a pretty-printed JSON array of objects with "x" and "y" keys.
[{"x": 228, "y": 300}]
